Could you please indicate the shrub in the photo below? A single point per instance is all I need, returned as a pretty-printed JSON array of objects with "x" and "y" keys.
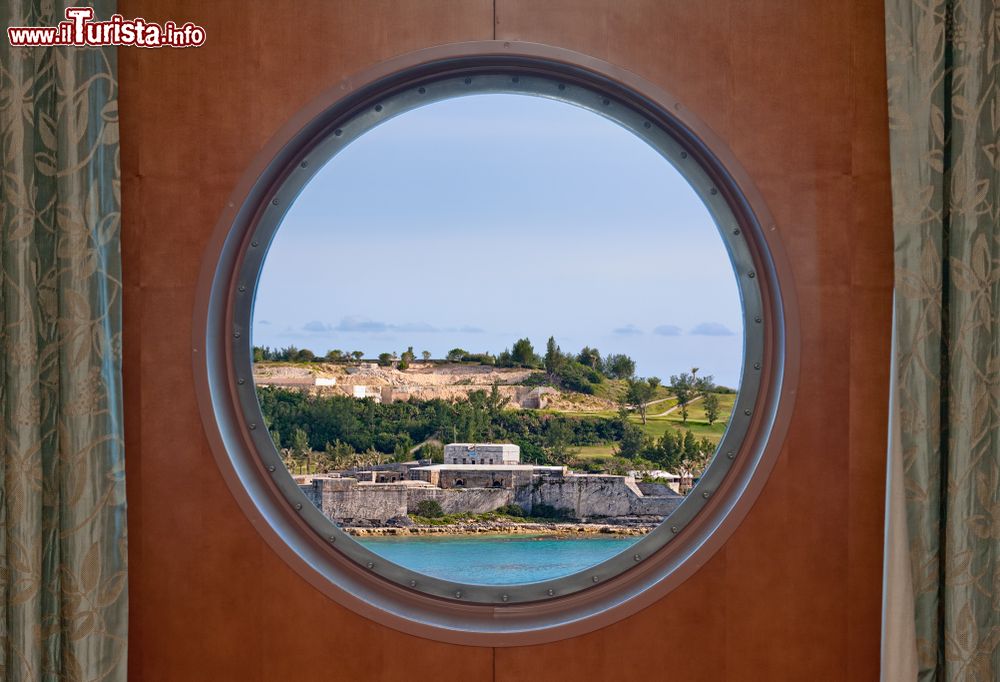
[
  {"x": 511, "y": 510},
  {"x": 481, "y": 358},
  {"x": 430, "y": 509},
  {"x": 538, "y": 379},
  {"x": 431, "y": 451},
  {"x": 577, "y": 377}
]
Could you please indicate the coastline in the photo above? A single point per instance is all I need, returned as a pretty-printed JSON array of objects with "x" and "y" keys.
[{"x": 564, "y": 530}]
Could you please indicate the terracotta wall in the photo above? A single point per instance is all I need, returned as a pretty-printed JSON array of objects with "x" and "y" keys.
[{"x": 797, "y": 92}]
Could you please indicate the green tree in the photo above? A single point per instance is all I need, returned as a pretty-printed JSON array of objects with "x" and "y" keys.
[
  {"x": 404, "y": 444},
  {"x": 335, "y": 355},
  {"x": 591, "y": 357},
  {"x": 523, "y": 353},
  {"x": 558, "y": 441},
  {"x": 357, "y": 354},
  {"x": 711, "y": 404},
  {"x": 619, "y": 366},
  {"x": 456, "y": 355},
  {"x": 683, "y": 388},
  {"x": 426, "y": 355},
  {"x": 703, "y": 385},
  {"x": 494, "y": 404},
  {"x": 654, "y": 382},
  {"x": 668, "y": 449},
  {"x": 300, "y": 448},
  {"x": 408, "y": 355},
  {"x": 553, "y": 356},
  {"x": 638, "y": 393},
  {"x": 340, "y": 455},
  {"x": 385, "y": 359},
  {"x": 432, "y": 451},
  {"x": 321, "y": 462},
  {"x": 695, "y": 455},
  {"x": 642, "y": 466},
  {"x": 632, "y": 443},
  {"x": 619, "y": 466},
  {"x": 372, "y": 457}
]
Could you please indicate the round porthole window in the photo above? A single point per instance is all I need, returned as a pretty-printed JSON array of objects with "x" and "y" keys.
[{"x": 491, "y": 347}]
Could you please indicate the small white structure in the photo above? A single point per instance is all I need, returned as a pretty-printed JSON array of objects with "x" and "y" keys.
[
  {"x": 482, "y": 453},
  {"x": 326, "y": 381},
  {"x": 656, "y": 473}
]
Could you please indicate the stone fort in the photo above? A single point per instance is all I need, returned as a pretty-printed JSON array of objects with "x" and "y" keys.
[{"x": 465, "y": 484}]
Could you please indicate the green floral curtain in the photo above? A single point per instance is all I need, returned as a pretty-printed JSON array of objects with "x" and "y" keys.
[
  {"x": 62, "y": 484},
  {"x": 944, "y": 110}
]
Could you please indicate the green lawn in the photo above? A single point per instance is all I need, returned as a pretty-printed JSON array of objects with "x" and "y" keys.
[
  {"x": 581, "y": 413},
  {"x": 665, "y": 404},
  {"x": 696, "y": 423},
  {"x": 697, "y": 412},
  {"x": 590, "y": 451},
  {"x": 610, "y": 389},
  {"x": 655, "y": 427}
]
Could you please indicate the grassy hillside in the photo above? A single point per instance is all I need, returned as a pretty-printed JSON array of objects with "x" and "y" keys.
[{"x": 656, "y": 426}]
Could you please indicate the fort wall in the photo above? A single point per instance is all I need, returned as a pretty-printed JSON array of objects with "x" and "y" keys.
[
  {"x": 457, "y": 501},
  {"x": 581, "y": 496},
  {"x": 598, "y": 495}
]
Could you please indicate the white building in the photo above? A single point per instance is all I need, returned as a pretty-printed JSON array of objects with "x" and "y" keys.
[
  {"x": 482, "y": 453},
  {"x": 361, "y": 391}
]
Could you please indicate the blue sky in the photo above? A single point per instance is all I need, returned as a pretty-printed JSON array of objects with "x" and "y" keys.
[{"x": 479, "y": 220}]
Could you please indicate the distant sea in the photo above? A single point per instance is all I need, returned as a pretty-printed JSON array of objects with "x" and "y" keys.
[{"x": 498, "y": 559}]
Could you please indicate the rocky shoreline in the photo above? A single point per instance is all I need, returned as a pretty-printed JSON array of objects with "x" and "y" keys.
[{"x": 561, "y": 529}]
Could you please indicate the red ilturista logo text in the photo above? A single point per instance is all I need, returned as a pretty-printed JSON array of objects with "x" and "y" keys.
[{"x": 80, "y": 30}]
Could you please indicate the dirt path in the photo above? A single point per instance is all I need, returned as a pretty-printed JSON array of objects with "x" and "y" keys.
[{"x": 671, "y": 409}]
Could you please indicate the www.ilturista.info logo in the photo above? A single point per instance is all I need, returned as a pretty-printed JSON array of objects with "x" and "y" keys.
[{"x": 81, "y": 30}]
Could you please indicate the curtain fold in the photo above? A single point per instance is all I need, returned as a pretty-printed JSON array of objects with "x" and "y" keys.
[
  {"x": 62, "y": 483},
  {"x": 944, "y": 111},
  {"x": 899, "y": 637}
]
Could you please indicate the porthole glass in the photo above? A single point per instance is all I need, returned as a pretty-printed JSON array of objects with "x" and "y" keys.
[
  {"x": 490, "y": 331},
  {"x": 498, "y": 335}
]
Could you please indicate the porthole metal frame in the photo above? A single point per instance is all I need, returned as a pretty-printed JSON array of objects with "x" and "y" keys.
[{"x": 231, "y": 409}]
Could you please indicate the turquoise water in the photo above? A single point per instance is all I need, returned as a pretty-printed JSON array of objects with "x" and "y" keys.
[{"x": 498, "y": 559}]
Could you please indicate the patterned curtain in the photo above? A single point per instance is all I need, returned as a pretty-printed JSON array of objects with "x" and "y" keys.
[
  {"x": 62, "y": 483},
  {"x": 944, "y": 110}
]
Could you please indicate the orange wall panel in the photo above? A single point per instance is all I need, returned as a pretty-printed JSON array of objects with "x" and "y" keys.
[{"x": 796, "y": 90}]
